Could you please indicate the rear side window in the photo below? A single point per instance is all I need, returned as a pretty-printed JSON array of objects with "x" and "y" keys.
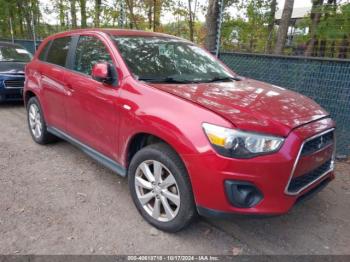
[
  {"x": 58, "y": 51},
  {"x": 43, "y": 54},
  {"x": 90, "y": 51}
]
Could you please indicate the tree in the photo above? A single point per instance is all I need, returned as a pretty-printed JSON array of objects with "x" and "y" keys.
[
  {"x": 271, "y": 25},
  {"x": 330, "y": 9},
  {"x": 83, "y": 13},
  {"x": 316, "y": 13},
  {"x": 190, "y": 20},
  {"x": 283, "y": 26},
  {"x": 73, "y": 13},
  {"x": 344, "y": 19},
  {"x": 157, "y": 8},
  {"x": 211, "y": 24},
  {"x": 149, "y": 7},
  {"x": 133, "y": 22},
  {"x": 98, "y": 4},
  {"x": 61, "y": 7}
]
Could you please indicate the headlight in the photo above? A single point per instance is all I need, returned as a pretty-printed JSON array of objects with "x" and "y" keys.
[{"x": 239, "y": 144}]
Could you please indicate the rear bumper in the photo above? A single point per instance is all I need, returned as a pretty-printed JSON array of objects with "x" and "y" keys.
[{"x": 270, "y": 174}]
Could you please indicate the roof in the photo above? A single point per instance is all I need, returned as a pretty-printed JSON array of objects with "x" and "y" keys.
[
  {"x": 118, "y": 32},
  {"x": 298, "y": 12},
  {"x": 8, "y": 44}
]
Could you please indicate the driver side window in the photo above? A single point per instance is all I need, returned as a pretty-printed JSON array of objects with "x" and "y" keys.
[{"x": 90, "y": 51}]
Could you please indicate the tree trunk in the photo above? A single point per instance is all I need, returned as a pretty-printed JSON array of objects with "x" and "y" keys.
[
  {"x": 283, "y": 27},
  {"x": 190, "y": 21},
  {"x": 323, "y": 45},
  {"x": 27, "y": 17},
  {"x": 211, "y": 24},
  {"x": 344, "y": 47},
  {"x": 315, "y": 20},
  {"x": 157, "y": 6},
  {"x": 73, "y": 13},
  {"x": 61, "y": 13},
  {"x": 149, "y": 13},
  {"x": 323, "y": 42},
  {"x": 83, "y": 13},
  {"x": 133, "y": 23},
  {"x": 20, "y": 17},
  {"x": 271, "y": 25},
  {"x": 97, "y": 12}
]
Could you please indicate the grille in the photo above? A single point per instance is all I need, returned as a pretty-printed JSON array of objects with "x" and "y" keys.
[
  {"x": 317, "y": 143},
  {"x": 302, "y": 181},
  {"x": 14, "y": 83}
]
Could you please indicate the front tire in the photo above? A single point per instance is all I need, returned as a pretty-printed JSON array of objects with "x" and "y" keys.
[
  {"x": 36, "y": 123},
  {"x": 161, "y": 189}
]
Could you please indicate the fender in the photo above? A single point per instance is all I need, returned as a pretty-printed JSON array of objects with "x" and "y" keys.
[{"x": 145, "y": 109}]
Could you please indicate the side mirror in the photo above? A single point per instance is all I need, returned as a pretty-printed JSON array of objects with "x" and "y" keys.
[{"x": 102, "y": 72}]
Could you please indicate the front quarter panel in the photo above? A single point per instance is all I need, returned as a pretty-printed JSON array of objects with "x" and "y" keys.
[{"x": 178, "y": 122}]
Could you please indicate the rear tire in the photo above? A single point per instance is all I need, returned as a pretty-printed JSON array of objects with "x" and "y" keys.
[
  {"x": 36, "y": 123},
  {"x": 161, "y": 189}
]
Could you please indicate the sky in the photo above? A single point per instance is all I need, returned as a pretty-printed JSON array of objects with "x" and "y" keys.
[{"x": 52, "y": 18}]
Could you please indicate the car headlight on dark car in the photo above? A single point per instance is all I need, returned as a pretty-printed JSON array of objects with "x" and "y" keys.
[{"x": 239, "y": 144}]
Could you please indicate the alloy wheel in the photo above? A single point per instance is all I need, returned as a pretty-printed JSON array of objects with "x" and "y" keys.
[
  {"x": 35, "y": 121},
  {"x": 157, "y": 190}
]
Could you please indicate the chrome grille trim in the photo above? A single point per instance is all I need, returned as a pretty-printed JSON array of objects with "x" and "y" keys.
[
  {"x": 331, "y": 168},
  {"x": 14, "y": 83}
]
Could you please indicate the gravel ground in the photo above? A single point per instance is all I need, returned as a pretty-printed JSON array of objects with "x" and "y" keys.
[{"x": 56, "y": 200}]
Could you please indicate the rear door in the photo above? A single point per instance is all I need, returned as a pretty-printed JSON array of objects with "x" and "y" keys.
[
  {"x": 92, "y": 111},
  {"x": 54, "y": 89}
]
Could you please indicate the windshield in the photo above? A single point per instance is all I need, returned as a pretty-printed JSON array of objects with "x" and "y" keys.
[
  {"x": 160, "y": 59},
  {"x": 14, "y": 54}
]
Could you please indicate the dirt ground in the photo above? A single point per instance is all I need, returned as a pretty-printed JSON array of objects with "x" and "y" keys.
[{"x": 56, "y": 200}]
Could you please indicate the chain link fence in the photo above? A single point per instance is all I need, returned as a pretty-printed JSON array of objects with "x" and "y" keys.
[{"x": 327, "y": 81}]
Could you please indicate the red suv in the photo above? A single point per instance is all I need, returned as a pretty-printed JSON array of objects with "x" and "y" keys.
[{"x": 191, "y": 136}]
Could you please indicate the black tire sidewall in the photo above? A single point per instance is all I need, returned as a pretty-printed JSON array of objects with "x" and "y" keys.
[{"x": 164, "y": 154}]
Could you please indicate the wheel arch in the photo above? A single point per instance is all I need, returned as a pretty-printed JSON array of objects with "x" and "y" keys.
[
  {"x": 27, "y": 95},
  {"x": 143, "y": 139}
]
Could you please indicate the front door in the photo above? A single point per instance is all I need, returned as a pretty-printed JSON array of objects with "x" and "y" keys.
[{"x": 92, "y": 112}]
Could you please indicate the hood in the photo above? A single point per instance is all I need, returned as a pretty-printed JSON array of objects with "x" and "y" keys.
[
  {"x": 12, "y": 68},
  {"x": 251, "y": 105}
]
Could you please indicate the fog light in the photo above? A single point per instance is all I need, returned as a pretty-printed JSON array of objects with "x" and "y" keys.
[{"x": 242, "y": 194}]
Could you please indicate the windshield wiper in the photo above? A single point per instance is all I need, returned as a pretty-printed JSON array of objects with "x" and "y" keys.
[
  {"x": 164, "y": 80},
  {"x": 222, "y": 79}
]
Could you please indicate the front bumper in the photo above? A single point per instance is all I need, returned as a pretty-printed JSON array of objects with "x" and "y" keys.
[
  {"x": 11, "y": 88},
  {"x": 270, "y": 174},
  {"x": 15, "y": 94}
]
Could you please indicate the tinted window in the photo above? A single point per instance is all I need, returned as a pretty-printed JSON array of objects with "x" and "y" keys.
[
  {"x": 90, "y": 51},
  {"x": 14, "y": 54},
  {"x": 58, "y": 51},
  {"x": 43, "y": 53}
]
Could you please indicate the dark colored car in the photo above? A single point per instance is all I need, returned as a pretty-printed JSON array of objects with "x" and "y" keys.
[
  {"x": 13, "y": 59},
  {"x": 191, "y": 135}
]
